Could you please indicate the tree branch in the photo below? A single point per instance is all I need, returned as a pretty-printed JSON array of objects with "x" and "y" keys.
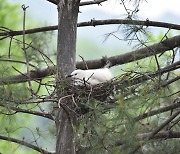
[
  {"x": 34, "y": 75},
  {"x": 22, "y": 142},
  {"x": 174, "y": 105},
  {"x": 93, "y": 22},
  {"x": 170, "y": 81},
  {"x": 17, "y": 109},
  {"x": 146, "y": 23},
  {"x": 82, "y": 3},
  {"x": 53, "y": 1},
  {"x": 160, "y": 135},
  {"x": 92, "y": 2}
]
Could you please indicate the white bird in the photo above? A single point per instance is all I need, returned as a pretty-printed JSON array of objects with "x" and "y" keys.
[{"x": 91, "y": 76}]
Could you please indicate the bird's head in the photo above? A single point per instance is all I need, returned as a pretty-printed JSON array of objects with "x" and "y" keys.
[{"x": 77, "y": 74}]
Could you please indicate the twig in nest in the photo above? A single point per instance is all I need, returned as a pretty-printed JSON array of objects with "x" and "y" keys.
[{"x": 84, "y": 61}]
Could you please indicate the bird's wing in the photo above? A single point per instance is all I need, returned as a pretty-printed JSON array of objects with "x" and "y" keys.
[{"x": 99, "y": 75}]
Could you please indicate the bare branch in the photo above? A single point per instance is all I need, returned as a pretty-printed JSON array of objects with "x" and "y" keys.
[
  {"x": 92, "y": 2},
  {"x": 17, "y": 109},
  {"x": 170, "y": 81},
  {"x": 93, "y": 22},
  {"x": 174, "y": 105},
  {"x": 146, "y": 23},
  {"x": 34, "y": 75},
  {"x": 29, "y": 31},
  {"x": 24, "y": 143},
  {"x": 24, "y": 45},
  {"x": 53, "y": 1},
  {"x": 160, "y": 135},
  {"x": 82, "y": 3}
]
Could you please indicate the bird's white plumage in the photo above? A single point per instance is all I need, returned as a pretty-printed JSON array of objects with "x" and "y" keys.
[{"x": 91, "y": 76}]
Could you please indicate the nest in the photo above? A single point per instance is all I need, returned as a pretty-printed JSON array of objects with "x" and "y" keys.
[
  {"x": 88, "y": 93},
  {"x": 103, "y": 93},
  {"x": 99, "y": 92}
]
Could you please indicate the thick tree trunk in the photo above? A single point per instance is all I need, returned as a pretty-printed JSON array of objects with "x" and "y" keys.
[{"x": 66, "y": 54}]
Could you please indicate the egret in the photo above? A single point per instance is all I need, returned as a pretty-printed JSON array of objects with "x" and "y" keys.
[{"x": 91, "y": 76}]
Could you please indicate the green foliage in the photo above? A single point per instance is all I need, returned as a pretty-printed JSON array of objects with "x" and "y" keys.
[
  {"x": 103, "y": 126},
  {"x": 10, "y": 21}
]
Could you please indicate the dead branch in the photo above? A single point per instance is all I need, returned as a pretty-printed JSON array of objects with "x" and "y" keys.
[{"x": 24, "y": 46}]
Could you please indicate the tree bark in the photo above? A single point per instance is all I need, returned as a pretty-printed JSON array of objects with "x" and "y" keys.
[{"x": 66, "y": 58}]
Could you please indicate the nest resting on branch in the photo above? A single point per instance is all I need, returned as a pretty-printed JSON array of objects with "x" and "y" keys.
[{"x": 100, "y": 92}]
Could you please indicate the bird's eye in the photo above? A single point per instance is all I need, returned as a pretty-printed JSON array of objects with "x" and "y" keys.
[{"x": 75, "y": 74}]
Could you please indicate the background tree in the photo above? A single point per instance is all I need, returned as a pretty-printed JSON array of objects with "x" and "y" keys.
[{"x": 136, "y": 112}]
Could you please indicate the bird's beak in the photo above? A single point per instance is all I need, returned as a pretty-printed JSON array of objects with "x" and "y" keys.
[{"x": 68, "y": 76}]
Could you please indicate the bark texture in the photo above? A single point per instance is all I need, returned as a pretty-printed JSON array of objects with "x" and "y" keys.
[{"x": 66, "y": 53}]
